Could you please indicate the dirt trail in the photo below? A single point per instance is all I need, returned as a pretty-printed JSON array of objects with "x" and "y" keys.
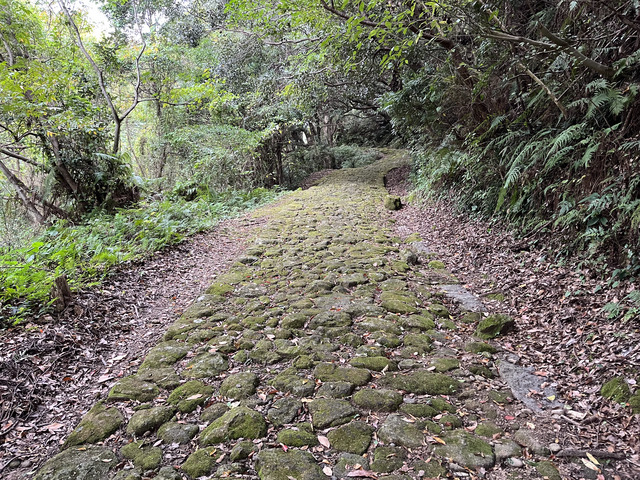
[{"x": 328, "y": 350}]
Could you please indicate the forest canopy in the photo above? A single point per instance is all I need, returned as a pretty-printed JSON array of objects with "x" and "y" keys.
[{"x": 523, "y": 110}]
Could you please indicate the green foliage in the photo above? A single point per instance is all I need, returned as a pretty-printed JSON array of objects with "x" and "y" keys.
[{"x": 86, "y": 253}]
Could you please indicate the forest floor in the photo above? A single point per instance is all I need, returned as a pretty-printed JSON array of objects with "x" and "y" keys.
[{"x": 331, "y": 348}]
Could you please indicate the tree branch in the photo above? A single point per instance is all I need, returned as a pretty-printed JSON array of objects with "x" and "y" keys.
[
  {"x": 603, "y": 70},
  {"x": 22, "y": 158}
]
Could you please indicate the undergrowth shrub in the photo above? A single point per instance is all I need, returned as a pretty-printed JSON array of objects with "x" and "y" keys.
[{"x": 87, "y": 253}]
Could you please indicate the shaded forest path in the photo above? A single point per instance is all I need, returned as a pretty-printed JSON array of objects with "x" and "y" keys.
[{"x": 327, "y": 350}]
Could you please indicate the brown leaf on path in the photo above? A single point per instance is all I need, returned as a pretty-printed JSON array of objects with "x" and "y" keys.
[
  {"x": 324, "y": 441},
  {"x": 362, "y": 473}
]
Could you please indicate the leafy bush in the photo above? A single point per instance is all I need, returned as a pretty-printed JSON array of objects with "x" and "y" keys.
[{"x": 86, "y": 253}]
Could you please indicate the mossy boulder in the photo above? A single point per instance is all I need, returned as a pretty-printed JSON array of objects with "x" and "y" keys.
[
  {"x": 239, "y": 385},
  {"x": 392, "y": 202},
  {"x": 494, "y": 325},
  {"x": 348, "y": 462},
  {"x": 400, "y": 430},
  {"x": 284, "y": 411},
  {"x": 480, "y": 347},
  {"x": 331, "y": 412},
  {"x": 398, "y": 302},
  {"x": 206, "y": 365},
  {"x": 378, "y": 399},
  {"x": 418, "y": 410},
  {"x": 295, "y": 384},
  {"x": 180, "y": 433},
  {"x": 214, "y": 412},
  {"x": 95, "y": 426},
  {"x": 423, "y": 382},
  {"x": 242, "y": 450},
  {"x": 487, "y": 429},
  {"x": 548, "y": 471},
  {"x": 189, "y": 396},
  {"x": 143, "y": 457},
  {"x": 165, "y": 354},
  {"x": 200, "y": 463},
  {"x": 354, "y": 437},
  {"x": 149, "y": 420},
  {"x": 276, "y": 464},
  {"x": 376, "y": 364},
  {"x": 239, "y": 422},
  {"x": 387, "y": 459},
  {"x": 164, "y": 377},
  {"x": 328, "y": 372},
  {"x": 92, "y": 463},
  {"x": 422, "y": 322},
  {"x": 439, "y": 310},
  {"x": 298, "y": 436},
  {"x": 466, "y": 450},
  {"x": 335, "y": 389},
  {"x": 133, "y": 388},
  {"x": 436, "y": 265},
  {"x": 616, "y": 390},
  {"x": 445, "y": 364}
]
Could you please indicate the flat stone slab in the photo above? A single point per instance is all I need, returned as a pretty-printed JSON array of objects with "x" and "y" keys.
[{"x": 521, "y": 381}]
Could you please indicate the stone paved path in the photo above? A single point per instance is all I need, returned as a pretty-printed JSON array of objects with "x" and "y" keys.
[{"x": 324, "y": 352}]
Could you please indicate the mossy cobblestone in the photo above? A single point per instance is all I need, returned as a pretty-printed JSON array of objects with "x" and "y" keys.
[{"x": 325, "y": 327}]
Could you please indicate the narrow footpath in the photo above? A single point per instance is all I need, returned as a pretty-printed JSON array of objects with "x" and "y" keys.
[{"x": 330, "y": 349}]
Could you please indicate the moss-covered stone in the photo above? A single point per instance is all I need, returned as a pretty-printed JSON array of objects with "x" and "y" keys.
[
  {"x": 418, "y": 410},
  {"x": 400, "y": 430},
  {"x": 397, "y": 302},
  {"x": 95, "y": 426},
  {"x": 200, "y": 463},
  {"x": 450, "y": 421},
  {"x": 164, "y": 354},
  {"x": 423, "y": 382},
  {"x": 430, "y": 469},
  {"x": 439, "y": 310},
  {"x": 487, "y": 429},
  {"x": 374, "y": 363},
  {"x": 387, "y": 459},
  {"x": 242, "y": 450},
  {"x": 133, "y": 388},
  {"x": 239, "y": 422},
  {"x": 214, "y": 412},
  {"x": 239, "y": 385},
  {"x": 303, "y": 362},
  {"x": 164, "y": 377},
  {"x": 276, "y": 464},
  {"x": 143, "y": 457},
  {"x": 354, "y": 437},
  {"x": 92, "y": 463},
  {"x": 548, "y": 471},
  {"x": 284, "y": 411},
  {"x": 330, "y": 412},
  {"x": 494, "y": 325},
  {"x": 436, "y": 265},
  {"x": 189, "y": 396},
  {"x": 466, "y": 450},
  {"x": 481, "y": 370},
  {"x": 149, "y": 420},
  {"x": 294, "y": 384},
  {"x": 616, "y": 390},
  {"x": 219, "y": 288},
  {"x": 392, "y": 202},
  {"x": 328, "y": 372},
  {"x": 206, "y": 365},
  {"x": 378, "y": 399},
  {"x": 422, "y": 322},
  {"x": 445, "y": 364},
  {"x": 335, "y": 389},
  {"x": 180, "y": 433},
  {"x": 298, "y": 436}
]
